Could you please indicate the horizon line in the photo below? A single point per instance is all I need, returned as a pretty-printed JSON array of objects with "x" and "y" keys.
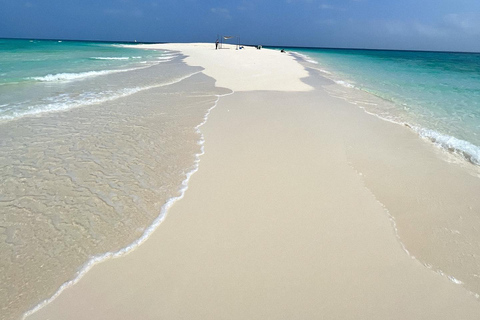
[{"x": 266, "y": 46}]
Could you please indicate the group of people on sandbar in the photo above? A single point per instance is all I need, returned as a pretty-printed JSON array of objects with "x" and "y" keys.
[{"x": 241, "y": 47}]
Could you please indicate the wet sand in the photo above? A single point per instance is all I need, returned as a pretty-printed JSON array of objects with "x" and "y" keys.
[{"x": 83, "y": 184}]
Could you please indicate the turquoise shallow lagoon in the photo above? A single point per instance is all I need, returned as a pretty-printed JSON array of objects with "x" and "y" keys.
[
  {"x": 25, "y": 60},
  {"x": 435, "y": 93},
  {"x": 96, "y": 141},
  {"x": 38, "y": 76}
]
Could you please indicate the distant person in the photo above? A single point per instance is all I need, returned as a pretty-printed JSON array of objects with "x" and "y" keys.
[
  {"x": 216, "y": 44},
  {"x": 282, "y": 51}
]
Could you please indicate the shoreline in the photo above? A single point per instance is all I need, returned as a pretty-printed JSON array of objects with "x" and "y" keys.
[
  {"x": 83, "y": 270},
  {"x": 111, "y": 186},
  {"x": 244, "y": 87},
  {"x": 465, "y": 150}
]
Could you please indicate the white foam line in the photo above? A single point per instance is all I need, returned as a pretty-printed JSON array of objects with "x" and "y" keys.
[
  {"x": 111, "y": 58},
  {"x": 344, "y": 84},
  {"x": 305, "y": 57},
  {"x": 462, "y": 148},
  {"x": 65, "y": 77},
  {"x": 167, "y": 56},
  {"x": 148, "y": 232},
  {"x": 56, "y": 107},
  {"x": 468, "y": 151},
  {"x": 397, "y": 235}
]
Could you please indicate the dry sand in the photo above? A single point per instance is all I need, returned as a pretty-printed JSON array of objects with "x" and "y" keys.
[
  {"x": 276, "y": 224},
  {"x": 245, "y": 69}
]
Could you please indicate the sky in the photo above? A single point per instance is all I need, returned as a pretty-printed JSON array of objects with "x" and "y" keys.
[{"x": 441, "y": 25}]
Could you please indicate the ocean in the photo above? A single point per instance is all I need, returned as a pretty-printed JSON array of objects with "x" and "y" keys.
[
  {"x": 437, "y": 94},
  {"x": 97, "y": 140},
  {"x": 43, "y": 76}
]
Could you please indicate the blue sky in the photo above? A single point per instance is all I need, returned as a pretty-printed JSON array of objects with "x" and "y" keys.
[{"x": 452, "y": 25}]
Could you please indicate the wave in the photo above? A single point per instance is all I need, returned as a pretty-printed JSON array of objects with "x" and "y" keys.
[
  {"x": 64, "y": 77},
  {"x": 70, "y": 76},
  {"x": 305, "y": 57},
  {"x": 325, "y": 71},
  {"x": 166, "y": 58},
  {"x": 464, "y": 148},
  {"x": 110, "y": 58},
  {"x": 64, "y": 102},
  {"x": 344, "y": 83},
  {"x": 115, "y": 58}
]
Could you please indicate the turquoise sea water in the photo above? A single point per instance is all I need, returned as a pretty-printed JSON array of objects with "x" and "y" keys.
[
  {"x": 436, "y": 93},
  {"x": 39, "y": 76},
  {"x": 97, "y": 140}
]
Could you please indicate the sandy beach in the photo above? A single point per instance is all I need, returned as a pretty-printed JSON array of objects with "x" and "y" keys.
[{"x": 290, "y": 217}]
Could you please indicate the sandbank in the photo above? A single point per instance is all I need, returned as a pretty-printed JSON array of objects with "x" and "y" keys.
[{"x": 278, "y": 222}]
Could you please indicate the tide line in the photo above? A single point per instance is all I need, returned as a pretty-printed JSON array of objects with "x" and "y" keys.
[{"x": 149, "y": 231}]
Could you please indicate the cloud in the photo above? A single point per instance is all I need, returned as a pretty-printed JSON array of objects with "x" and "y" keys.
[
  {"x": 222, "y": 12},
  {"x": 451, "y": 25},
  {"x": 396, "y": 27},
  {"x": 295, "y": 1},
  {"x": 137, "y": 13},
  {"x": 429, "y": 31},
  {"x": 247, "y": 6},
  {"x": 467, "y": 23},
  {"x": 321, "y": 5},
  {"x": 408, "y": 28},
  {"x": 327, "y": 22},
  {"x": 325, "y": 6},
  {"x": 113, "y": 12}
]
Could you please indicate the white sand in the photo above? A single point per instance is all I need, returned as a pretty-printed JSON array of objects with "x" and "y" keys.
[
  {"x": 245, "y": 69},
  {"x": 276, "y": 223}
]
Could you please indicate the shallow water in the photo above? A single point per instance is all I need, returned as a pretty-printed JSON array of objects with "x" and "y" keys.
[
  {"x": 435, "y": 93},
  {"x": 429, "y": 192},
  {"x": 88, "y": 179}
]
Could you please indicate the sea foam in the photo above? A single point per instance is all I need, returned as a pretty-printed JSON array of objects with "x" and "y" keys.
[
  {"x": 306, "y": 57},
  {"x": 63, "y": 77},
  {"x": 344, "y": 83},
  {"x": 110, "y": 58},
  {"x": 464, "y": 148},
  {"x": 65, "y": 102}
]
